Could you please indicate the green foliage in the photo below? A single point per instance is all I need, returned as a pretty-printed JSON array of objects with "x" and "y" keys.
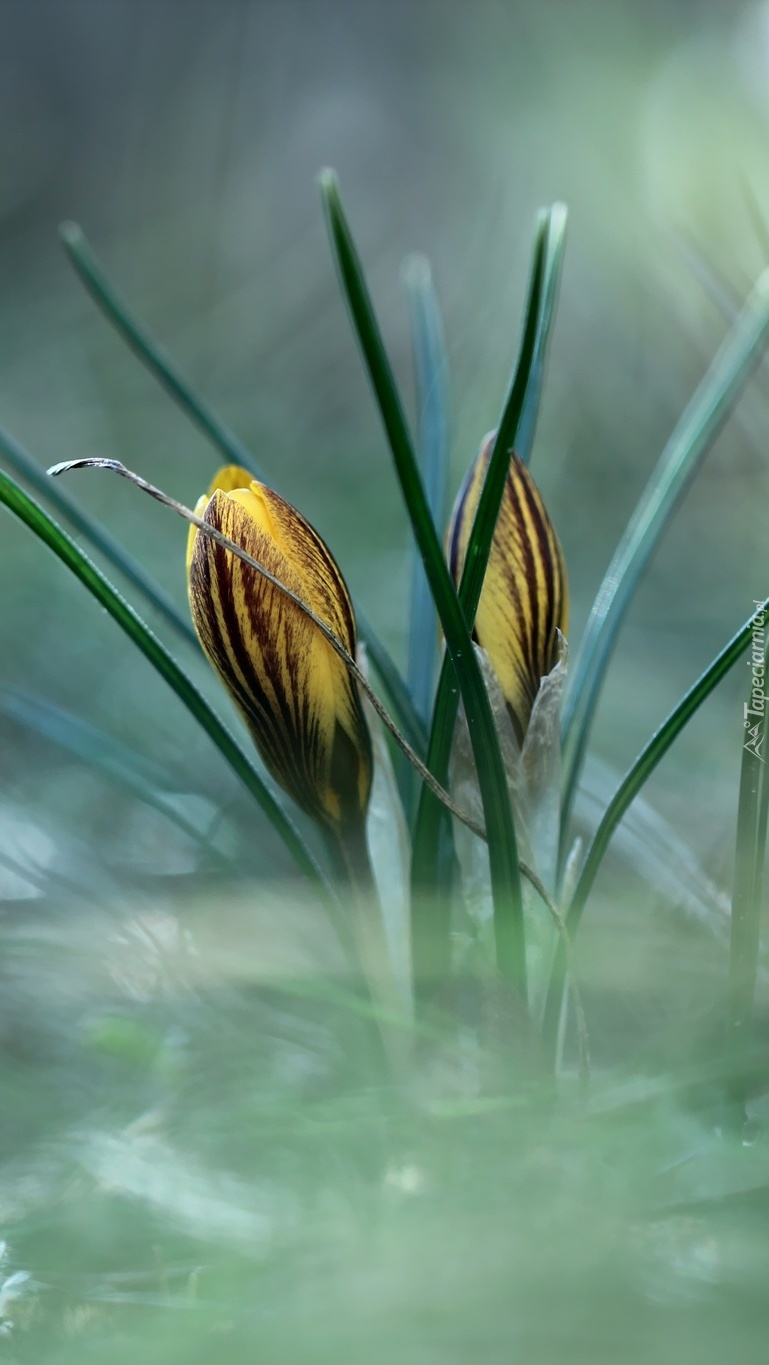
[
  {"x": 22, "y": 506},
  {"x": 24, "y": 464},
  {"x": 688, "y": 445},
  {"x": 426, "y": 711},
  {"x": 230, "y": 448},
  {"x": 432, "y": 396},
  {"x": 503, "y": 855},
  {"x": 750, "y": 856},
  {"x": 631, "y": 785},
  {"x": 430, "y": 864}
]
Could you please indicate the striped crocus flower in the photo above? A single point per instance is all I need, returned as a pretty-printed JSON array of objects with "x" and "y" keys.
[
  {"x": 524, "y": 600},
  {"x": 296, "y": 694}
]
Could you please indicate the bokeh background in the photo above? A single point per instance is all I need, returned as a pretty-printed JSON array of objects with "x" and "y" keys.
[{"x": 185, "y": 136}]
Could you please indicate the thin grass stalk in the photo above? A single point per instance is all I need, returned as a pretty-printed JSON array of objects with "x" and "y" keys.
[
  {"x": 628, "y": 789},
  {"x": 556, "y": 243},
  {"x": 431, "y": 383},
  {"x": 403, "y": 707},
  {"x": 689, "y": 443}
]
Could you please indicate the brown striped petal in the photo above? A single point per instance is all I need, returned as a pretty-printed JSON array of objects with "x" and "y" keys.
[
  {"x": 298, "y": 699},
  {"x": 524, "y": 600}
]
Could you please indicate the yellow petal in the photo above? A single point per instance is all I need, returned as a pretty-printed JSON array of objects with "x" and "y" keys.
[
  {"x": 524, "y": 600},
  {"x": 296, "y": 694},
  {"x": 228, "y": 478}
]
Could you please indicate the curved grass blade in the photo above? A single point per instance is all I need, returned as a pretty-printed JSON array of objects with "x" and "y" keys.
[
  {"x": 162, "y": 369},
  {"x": 38, "y": 521},
  {"x": 430, "y": 861},
  {"x": 400, "y": 699},
  {"x": 431, "y": 373},
  {"x": 627, "y": 791},
  {"x": 136, "y": 776},
  {"x": 699, "y": 425},
  {"x": 503, "y": 855},
  {"x": 24, "y": 464},
  {"x": 152, "y": 356},
  {"x": 749, "y": 861},
  {"x": 554, "y": 251},
  {"x": 479, "y": 545}
]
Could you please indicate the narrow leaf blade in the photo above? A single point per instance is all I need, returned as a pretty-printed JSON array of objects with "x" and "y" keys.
[
  {"x": 505, "y": 873},
  {"x": 628, "y": 789},
  {"x": 689, "y": 443},
  {"x": 431, "y": 369},
  {"x": 553, "y": 265},
  {"x": 431, "y": 828}
]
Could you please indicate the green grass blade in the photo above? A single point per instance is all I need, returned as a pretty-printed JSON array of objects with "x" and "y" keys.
[
  {"x": 38, "y": 521},
  {"x": 431, "y": 372},
  {"x": 430, "y": 860},
  {"x": 479, "y": 544},
  {"x": 688, "y": 444},
  {"x": 503, "y": 856},
  {"x": 25, "y": 465},
  {"x": 556, "y": 242},
  {"x": 232, "y": 450},
  {"x": 749, "y": 861},
  {"x": 626, "y": 793},
  {"x": 152, "y": 356}
]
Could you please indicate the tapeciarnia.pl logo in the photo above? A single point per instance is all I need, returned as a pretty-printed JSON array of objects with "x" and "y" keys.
[{"x": 754, "y": 710}]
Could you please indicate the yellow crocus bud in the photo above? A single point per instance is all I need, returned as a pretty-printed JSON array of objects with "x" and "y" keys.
[
  {"x": 298, "y": 699},
  {"x": 524, "y": 600}
]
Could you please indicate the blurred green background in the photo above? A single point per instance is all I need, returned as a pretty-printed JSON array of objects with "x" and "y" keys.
[{"x": 185, "y": 137}]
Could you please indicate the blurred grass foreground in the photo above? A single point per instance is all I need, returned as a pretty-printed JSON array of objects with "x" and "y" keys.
[{"x": 294, "y": 1065}]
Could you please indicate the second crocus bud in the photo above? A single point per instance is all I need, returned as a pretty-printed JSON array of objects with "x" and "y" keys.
[
  {"x": 524, "y": 600},
  {"x": 296, "y": 694}
]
